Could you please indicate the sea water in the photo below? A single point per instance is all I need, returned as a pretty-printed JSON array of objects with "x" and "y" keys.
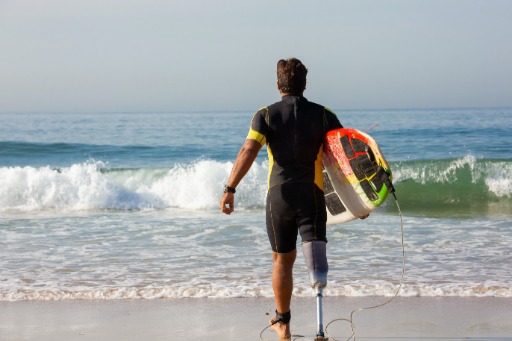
[{"x": 126, "y": 205}]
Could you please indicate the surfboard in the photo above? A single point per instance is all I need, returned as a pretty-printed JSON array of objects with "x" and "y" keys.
[{"x": 355, "y": 175}]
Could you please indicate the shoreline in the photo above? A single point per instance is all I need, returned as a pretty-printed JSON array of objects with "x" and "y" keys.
[{"x": 216, "y": 319}]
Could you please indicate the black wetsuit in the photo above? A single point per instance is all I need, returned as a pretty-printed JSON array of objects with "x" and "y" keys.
[{"x": 294, "y": 130}]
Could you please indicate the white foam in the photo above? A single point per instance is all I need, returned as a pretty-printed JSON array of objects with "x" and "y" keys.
[
  {"x": 194, "y": 186},
  {"x": 499, "y": 179},
  {"x": 86, "y": 186},
  {"x": 232, "y": 290}
]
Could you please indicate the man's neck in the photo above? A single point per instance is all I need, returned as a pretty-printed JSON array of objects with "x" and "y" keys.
[{"x": 288, "y": 94}]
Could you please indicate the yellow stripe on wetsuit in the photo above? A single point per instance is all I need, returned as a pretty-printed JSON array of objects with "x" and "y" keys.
[
  {"x": 319, "y": 177},
  {"x": 255, "y": 135}
]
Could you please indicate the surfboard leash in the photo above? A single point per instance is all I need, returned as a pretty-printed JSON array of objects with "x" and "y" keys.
[{"x": 351, "y": 319}]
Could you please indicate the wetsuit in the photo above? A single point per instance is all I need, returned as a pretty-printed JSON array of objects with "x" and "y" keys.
[{"x": 294, "y": 131}]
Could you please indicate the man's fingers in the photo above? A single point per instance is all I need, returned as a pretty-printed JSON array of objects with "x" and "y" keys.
[{"x": 227, "y": 203}]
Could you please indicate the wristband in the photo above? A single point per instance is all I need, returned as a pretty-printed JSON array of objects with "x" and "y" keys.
[{"x": 228, "y": 189}]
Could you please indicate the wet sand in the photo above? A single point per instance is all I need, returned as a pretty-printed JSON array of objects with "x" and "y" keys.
[{"x": 415, "y": 318}]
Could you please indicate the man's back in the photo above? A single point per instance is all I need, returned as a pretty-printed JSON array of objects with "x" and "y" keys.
[{"x": 294, "y": 129}]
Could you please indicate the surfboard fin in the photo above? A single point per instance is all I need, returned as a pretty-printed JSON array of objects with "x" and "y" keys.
[{"x": 386, "y": 180}]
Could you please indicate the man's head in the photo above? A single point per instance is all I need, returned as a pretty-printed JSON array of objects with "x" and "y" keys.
[{"x": 291, "y": 76}]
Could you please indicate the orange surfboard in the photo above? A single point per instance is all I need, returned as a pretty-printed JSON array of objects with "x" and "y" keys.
[{"x": 355, "y": 174}]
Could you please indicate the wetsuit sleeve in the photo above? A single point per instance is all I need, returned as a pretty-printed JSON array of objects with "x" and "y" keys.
[
  {"x": 331, "y": 120},
  {"x": 259, "y": 126}
]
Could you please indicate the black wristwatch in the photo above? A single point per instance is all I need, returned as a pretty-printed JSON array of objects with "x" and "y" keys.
[{"x": 228, "y": 189}]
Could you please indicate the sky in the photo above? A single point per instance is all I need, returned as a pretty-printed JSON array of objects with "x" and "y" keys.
[{"x": 205, "y": 55}]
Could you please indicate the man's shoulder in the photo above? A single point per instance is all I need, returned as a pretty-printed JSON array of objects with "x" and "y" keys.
[
  {"x": 271, "y": 108},
  {"x": 263, "y": 111},
  {"x": 317, "y": 105},
  {"x": 322, "y": 108},
  {"x": 329, "y": 110}
]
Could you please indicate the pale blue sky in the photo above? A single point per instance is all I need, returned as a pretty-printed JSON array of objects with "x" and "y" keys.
[{"x": 174, "y": 55}]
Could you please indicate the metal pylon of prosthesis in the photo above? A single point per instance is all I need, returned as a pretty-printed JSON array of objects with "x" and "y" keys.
[{"x": 320, "y": 336}]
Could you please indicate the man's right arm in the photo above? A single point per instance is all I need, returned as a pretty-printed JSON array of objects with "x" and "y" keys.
[
  {"x": 243, "y": 163},
  {"x": 256, "y": 138}
]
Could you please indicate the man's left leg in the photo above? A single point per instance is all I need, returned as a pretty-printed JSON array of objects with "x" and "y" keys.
[{"x": 315, "y": 256}]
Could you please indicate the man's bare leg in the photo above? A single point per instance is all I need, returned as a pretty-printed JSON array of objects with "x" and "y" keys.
[{"x": 282, "y": 283}]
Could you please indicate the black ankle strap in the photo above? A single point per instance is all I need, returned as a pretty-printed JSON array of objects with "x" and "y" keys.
[{"x": 283, "y": 318}]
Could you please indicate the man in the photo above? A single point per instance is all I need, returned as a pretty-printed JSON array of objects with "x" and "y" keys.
[{"x": 294, "y": 131}]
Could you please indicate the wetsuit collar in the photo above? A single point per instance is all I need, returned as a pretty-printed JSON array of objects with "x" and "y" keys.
[{"x": 292, "y": 96}]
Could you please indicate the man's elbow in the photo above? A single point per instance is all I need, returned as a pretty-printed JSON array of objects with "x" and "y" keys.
[{"x": 251, "y": 147}]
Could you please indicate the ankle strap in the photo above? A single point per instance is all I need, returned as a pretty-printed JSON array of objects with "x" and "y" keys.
[{"x": 283, "y": 318}]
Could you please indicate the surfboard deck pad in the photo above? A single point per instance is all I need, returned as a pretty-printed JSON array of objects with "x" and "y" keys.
[{"x": 354, "y": 174}]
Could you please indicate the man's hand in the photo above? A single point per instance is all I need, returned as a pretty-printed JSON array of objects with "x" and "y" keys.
[{"x": 227, "y": 203}]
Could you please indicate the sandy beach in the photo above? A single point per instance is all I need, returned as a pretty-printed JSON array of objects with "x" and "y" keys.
[{"x": 414, "y": 318}]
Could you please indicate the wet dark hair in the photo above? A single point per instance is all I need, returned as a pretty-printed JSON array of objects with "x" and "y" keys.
[{"x": 291, "y": 76}]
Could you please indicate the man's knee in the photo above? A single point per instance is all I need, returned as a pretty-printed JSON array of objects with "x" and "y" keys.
[{"x": 287, "y": 258}]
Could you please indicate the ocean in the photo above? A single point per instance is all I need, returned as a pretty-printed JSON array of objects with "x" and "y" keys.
[{"x": 125, "y": 205}]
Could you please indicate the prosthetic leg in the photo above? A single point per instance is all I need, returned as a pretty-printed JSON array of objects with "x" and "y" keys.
[{"x": 316, "y": 261}]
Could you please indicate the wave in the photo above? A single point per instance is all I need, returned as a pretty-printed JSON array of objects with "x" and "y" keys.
[
  {"x": 458, "y": 186},
  {"x": 91, "y": 185}
]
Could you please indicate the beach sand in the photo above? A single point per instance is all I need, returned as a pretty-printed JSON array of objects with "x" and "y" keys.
[{"x": 414, "y": 318}]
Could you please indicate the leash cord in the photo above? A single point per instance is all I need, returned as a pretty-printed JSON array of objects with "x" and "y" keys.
[{"x": 351, "y": 319}]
